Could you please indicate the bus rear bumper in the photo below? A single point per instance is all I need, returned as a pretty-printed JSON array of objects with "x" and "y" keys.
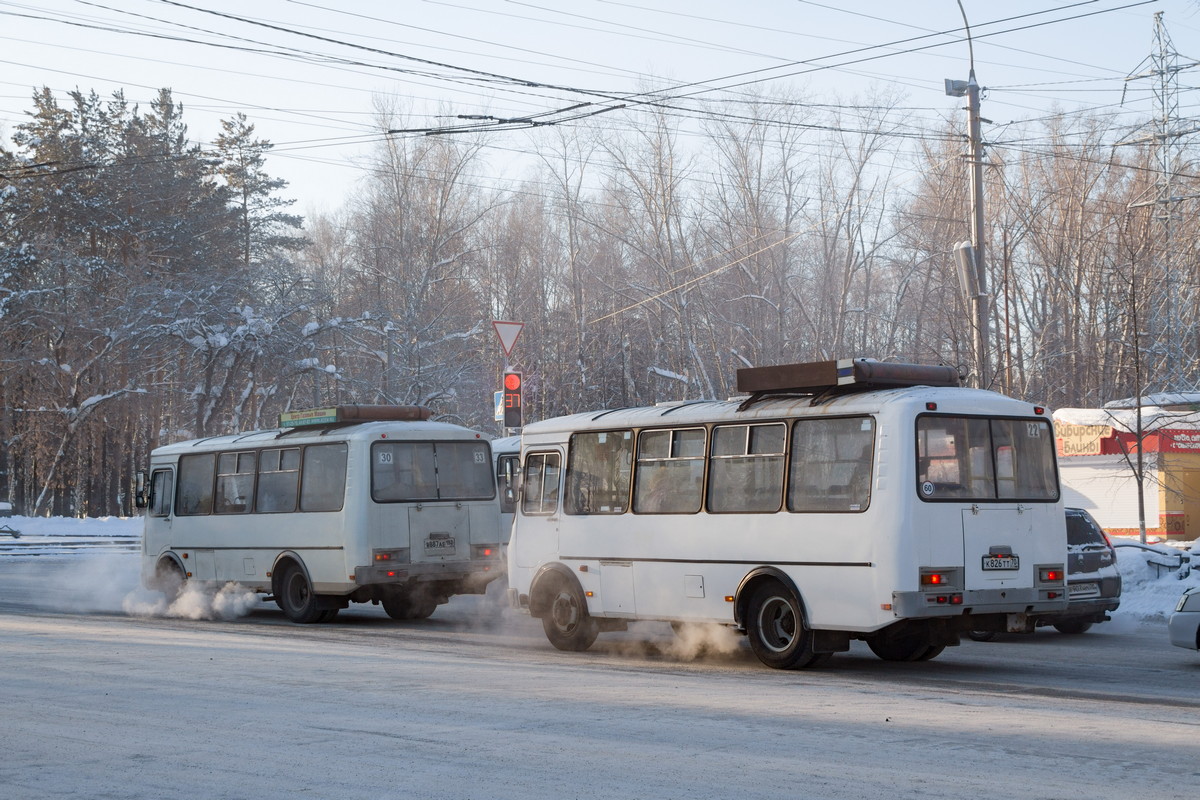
[
  {"x": 472, "y": 575},
  {"x": 1030, "y": 601}
]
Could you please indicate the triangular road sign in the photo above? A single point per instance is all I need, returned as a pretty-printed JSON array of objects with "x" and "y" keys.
[{"x": 508, "y": 333}]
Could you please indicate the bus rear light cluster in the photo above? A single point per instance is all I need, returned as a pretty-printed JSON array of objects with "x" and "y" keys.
[
  {"x": 480, "y": 551},
  {"x": 955, "y": 599},
  {"x": 397, "y": 556},
  {"x": 943, "y": 580},
  {"x": 1051, "y": 575}
]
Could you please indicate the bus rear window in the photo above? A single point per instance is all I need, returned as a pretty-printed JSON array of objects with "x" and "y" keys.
[
  {"x": 973, "y": 458},
  {"x": 409, "y": 471}
]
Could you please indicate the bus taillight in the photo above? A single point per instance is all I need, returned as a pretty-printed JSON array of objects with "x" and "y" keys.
[
  {"x": 484, "y": 551},
  {"x": 945, "y": 580}
]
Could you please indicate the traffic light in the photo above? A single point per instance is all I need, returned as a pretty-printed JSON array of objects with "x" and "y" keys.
[{"x": 512, "y": 399}]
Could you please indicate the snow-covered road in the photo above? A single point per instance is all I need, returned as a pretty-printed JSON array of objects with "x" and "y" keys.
[{"x": 473, "y": 703}]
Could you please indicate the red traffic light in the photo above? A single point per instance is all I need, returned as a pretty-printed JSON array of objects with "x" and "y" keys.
[{"x": 512, "y": 400}]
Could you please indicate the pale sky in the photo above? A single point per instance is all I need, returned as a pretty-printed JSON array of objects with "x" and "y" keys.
[{"x": 308, "y": 73}]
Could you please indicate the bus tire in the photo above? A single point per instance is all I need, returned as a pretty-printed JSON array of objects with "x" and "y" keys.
[
  {"x": 1072, "y": 626},
  {"x": 776, "y": 628},
  {"x": 932, "y": 652},
  {"x": 981, "y": 636},
  {"x": 169, "y": 579},
  {"x": 297, "y": 598},
  {"x": 903, "y": 648},
  {"x": 406, "y": 605},
  {"x": 567, "y": 623}
]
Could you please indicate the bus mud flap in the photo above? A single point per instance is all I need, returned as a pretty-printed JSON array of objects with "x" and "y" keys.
[{"x": 830, "y": 641}]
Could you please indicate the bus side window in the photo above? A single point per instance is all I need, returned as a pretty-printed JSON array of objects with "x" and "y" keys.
[
  {"x": 195, "y": 484},
  {"x": 670, "y": 468},
  {"x": 323, "y": 481},
  {"x": 831, "y": 464},
  {"x": 278, "y": 473},
  {"x": 745, "y": 473},
  {"x": 161, "y": 491},
  {"x": 539, "y": 490},
  {"x": 235, "y": 483},
  {"x": 598, "y": 472}
]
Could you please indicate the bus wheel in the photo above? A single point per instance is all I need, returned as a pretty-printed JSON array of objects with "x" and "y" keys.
[
  {"x": 981, "y": 636},
  {"x": 403, "y": 605},
  {"x": 296, "y": 596},
  {"x": 776, "y": 629},
  {"x": 1072, "y": 626},
  {"x": 169, "y": 579},
  {"x": 567, "y": 623},
  {"x": 905, "y": 648}
]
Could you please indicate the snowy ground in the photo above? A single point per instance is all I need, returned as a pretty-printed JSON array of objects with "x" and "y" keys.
[
  {"x": 1149, "y": 592},
  {"x": 145, "y": 702}
]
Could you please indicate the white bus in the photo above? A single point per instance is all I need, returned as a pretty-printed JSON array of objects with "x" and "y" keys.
[
  {"x": 348, "y": 504},
  {"x": 841, "y": 500}
]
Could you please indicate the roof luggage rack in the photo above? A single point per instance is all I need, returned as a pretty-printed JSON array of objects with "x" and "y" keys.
[
  {"x": 352, "y": 414},
  {"x": 824, "y": 379}
]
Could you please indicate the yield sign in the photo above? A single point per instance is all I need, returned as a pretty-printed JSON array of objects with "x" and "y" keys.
[{"x": 508, "y": 333}]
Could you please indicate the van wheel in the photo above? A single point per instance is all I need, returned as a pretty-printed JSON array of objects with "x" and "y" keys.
[
  {"x": 776, "y": 629},
  {"x": 567, "y": 623},
  {"x": 981, "y": 636},
  {"x": 1072, "y": 626},
  {"x": 296, "y": 596}
]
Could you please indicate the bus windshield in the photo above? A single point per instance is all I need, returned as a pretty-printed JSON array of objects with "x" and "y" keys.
[{"x": 976, "y": 458}]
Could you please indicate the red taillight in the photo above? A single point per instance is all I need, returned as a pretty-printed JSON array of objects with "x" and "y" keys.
[
  {"x": 487, "y": 551},
  {"x": 383, "y": 556},
  {"x": 933, "y": 579},
  {"x": 1039, "y": 410}
]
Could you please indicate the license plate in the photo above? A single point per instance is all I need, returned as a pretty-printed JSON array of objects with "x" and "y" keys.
[
  {"x": 438, "y": 545},
  {"x": 1083, "y": 589},
  {"x": 1001, "y": 562}
]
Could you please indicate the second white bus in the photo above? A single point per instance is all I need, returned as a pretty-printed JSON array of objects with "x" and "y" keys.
[
  {"x": 348, "y": 504},
  {"x": 842, "y": 500}
]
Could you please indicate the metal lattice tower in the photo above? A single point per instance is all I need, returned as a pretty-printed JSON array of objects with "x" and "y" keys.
[{"x": 1171, "y": 296}]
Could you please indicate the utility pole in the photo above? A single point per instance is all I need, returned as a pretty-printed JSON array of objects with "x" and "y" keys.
[{"x": 971, "y": 259}]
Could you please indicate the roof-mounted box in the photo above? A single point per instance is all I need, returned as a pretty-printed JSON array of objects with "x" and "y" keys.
[
  {"x": 349, "y": 414},
  {"x": 841, "y": 376}
]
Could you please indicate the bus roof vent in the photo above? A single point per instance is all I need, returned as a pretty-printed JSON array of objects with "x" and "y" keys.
[
  {"x": 821, "y": 378},
  {"x": 347, "y": 415}
]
